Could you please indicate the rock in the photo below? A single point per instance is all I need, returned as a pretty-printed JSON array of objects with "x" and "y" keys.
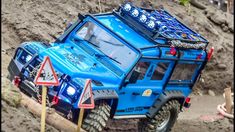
[
  {"x": 230, "y": 23},
  {"x": 10, "y": 93},
  {"x": 197, "y": 4},
  {"x": 225, "y": 28},
  {"x": 217, "y": 18},
  {"x": 202, "y": 80},
  {"x": 222, "y": 66},
  {"x": 211, "y": 93}
]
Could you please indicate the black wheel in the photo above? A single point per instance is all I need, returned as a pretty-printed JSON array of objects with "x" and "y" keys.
[
  {"x": 163, "y": 120},
  {"x": 97, "y": 118}
]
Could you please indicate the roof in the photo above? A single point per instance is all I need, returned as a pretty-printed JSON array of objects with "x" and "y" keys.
[
  {"x": 123, "y": 30},
  {"x": 158, "y": 28}
]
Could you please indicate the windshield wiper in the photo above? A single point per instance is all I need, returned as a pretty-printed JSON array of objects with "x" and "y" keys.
[
  {"x": 111, "y": 43},
  {"x": 97, "y": 46},
  {"x": 100, "y": 55},
  {"x": 76, "y": 39}
]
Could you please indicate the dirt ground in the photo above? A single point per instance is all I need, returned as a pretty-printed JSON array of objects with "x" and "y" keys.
[{"x": 36, "y": 20}]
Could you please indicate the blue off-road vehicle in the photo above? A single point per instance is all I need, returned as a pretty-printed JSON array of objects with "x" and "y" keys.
[{"x": 143, "y": 63}]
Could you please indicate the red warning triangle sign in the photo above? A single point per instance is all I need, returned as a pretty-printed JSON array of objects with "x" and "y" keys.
[
  {"x": 86, "y": 100},
  {"x": 46, "y": 74}
]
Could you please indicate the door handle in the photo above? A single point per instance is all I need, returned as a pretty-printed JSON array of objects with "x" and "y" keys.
[
  {"x": 155, "y": 93},
  {"x": 134, "y": 93}
]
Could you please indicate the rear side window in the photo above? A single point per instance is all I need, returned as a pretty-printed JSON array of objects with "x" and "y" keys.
[
  {"x": 160, "y": 70},
  {"x": 183, "y": 71}
]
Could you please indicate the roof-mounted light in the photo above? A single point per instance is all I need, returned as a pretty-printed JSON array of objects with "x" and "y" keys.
[
  {"x": 143, "y": 18},
  {"x": 135, "y": 13},
  {"x": 151, "y": 24},
  {"x": 127, "y": 7}
]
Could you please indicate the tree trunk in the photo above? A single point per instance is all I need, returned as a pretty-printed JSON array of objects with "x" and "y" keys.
[{"x": 52, "y": 117}]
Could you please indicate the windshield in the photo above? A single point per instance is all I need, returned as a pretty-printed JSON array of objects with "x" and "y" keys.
[{"x": 112, "y": 48}]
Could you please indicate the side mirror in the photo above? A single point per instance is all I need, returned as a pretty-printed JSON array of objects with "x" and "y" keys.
[
  {"x": 80, "y": 17},
  {"x": 134, "y": 77}
]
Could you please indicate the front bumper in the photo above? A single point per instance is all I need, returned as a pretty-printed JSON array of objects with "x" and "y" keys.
[{"x": 29, "y": 88}]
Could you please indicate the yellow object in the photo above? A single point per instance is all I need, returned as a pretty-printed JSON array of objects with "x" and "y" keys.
[
  {"x": 147, "y": 92},
  {"x": 43, "y": 114},
  {"x": 80, "y": 119}
]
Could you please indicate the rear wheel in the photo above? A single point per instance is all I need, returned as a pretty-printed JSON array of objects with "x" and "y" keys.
[
  {"x": 97, "y": 119},
  {"x": 163, "y": 120}
]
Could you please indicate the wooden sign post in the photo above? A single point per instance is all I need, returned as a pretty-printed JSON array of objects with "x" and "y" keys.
[
  {"x": 228, "y": 100},
  {"x": 86, "y": 101},
  {"x": 46, "y": 77}
]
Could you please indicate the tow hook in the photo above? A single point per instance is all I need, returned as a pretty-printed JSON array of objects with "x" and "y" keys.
[
  {"x": 16, "y": 81},
  {"x": 55, "y": 100}
]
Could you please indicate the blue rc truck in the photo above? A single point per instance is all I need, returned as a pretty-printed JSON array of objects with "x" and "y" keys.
[{"x": 142, "y": 63}]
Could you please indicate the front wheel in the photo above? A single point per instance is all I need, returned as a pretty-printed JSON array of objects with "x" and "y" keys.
[
  {"x": 97, "y": 119},
  {"x": 163, "y": 120}
]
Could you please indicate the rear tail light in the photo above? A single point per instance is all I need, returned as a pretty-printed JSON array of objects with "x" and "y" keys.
[
  {"x": 16, "y": 81},
  {"x": 173, "y": 51},
  {"x": 187, "y": 102}
]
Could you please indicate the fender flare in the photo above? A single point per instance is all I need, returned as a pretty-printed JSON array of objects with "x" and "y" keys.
[
  {"x": 163, "y": 98},
  {"x": 108, "y": 95}
]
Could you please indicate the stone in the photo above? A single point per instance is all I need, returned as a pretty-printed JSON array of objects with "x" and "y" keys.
[
  {"x": 222, "y": 66},
  {"x": 225, "y": 28},
  {"x": 218, "y": 18},
  {"x": 211, "y": 93}
]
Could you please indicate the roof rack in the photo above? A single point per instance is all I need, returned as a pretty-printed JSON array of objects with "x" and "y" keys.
[{"x": 159, "y": 25}]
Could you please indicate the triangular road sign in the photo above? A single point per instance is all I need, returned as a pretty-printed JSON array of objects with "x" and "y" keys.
[
  {"x": 86, "y": 99},
  {"x": 46, "y": 74}
]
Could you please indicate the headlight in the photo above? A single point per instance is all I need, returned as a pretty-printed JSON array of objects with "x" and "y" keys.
[
  {"x": 71, "y": 91},
  {"x": 127, "y": 7}
]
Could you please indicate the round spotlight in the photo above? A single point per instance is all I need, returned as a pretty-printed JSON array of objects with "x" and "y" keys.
[
  {"x": 70, "y": 91},
  {"x": 143, "y": 18},
  {"x": 151, "y": 24},
  {"x": 135, "y": 13},
  {"x": 127, "y": 7}
]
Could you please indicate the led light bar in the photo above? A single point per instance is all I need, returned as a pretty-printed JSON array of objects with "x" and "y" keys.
[{"x": 159, "y": 23}]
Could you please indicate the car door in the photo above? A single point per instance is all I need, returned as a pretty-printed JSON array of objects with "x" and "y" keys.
[{"x": 136, "y": 97}]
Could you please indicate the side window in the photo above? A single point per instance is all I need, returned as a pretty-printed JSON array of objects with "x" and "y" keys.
[
  {"x": 22, "y": 56},
  {"x": 139, "y": 71},
  {"x": 183, "y": 71},
  {"x": 142, "y": 68},
  {"x": 160, "y": 70}
]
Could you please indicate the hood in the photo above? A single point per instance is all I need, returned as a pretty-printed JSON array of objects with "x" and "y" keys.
[{"x": 77, "y": 63}]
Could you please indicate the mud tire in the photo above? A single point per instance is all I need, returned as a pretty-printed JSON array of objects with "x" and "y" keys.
[
  {"x": 97, "y": 119},
  {"x": 151, "y": 124}
]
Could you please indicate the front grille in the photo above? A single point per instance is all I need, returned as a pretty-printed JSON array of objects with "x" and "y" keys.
[{"x": 31, "y": 69}]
